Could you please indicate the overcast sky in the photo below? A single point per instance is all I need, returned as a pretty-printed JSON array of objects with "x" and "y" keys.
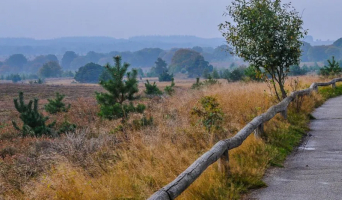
[{"x": 43, "y": 19}]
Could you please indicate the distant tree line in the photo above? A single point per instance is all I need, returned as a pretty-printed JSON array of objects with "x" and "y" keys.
[
  {"x": 193, "y": 62},
  {"x": 321, "y": 53},
  {"x": 139, "y": 59},
  {"x": 82, "y": 45},
  {"x": 49, "y": 66}
]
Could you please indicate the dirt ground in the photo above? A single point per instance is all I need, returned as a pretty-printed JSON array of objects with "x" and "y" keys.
[{"x": 72, "y": 91}]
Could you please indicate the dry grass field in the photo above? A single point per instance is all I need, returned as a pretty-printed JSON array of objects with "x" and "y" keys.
[{"x": 99, "y": 162}]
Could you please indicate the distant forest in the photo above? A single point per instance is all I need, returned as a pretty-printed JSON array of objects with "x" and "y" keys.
[
  {"x": 82, "y": 45},
  {"x": 321, "y": 53},
  {"x": 31, "y": 58},
  {"x": 71, "y": 61}
]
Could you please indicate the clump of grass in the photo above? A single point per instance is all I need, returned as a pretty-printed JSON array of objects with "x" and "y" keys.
[{"x": 329, "y": 92}]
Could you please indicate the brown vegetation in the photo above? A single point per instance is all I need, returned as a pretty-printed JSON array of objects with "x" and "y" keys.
[{"x": 99, "y": 162}]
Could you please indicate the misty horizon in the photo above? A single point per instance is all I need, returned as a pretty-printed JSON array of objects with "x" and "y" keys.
[
  {"x": 137, "y": 36},
  {"x": 42, "y": 20}
]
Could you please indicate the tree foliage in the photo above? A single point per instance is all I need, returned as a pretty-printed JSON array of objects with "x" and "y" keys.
[
  {"x": 267, "y": 34},
  {"x": 317, "y": 53},
  {"x": 50, "y": 69},
  {"x": 68, "y": 57},
  {"x": 165, "y": 76},
  {"x": 113, "y": 103},
  {"x": 90, "y": 73},
  {"x": 333, "y": 51},
  {"x": 16, "y": 60},
  {"x": 252, "y": 73},
  {"x": 338, "y": 43},
  {"x": 34, "y": 65},
  {"x": 15, "y": 78},
  {"x": 191, "y": 61},
  {"x": 296, "y": 70},
  {"x": 161, "y": 66}
]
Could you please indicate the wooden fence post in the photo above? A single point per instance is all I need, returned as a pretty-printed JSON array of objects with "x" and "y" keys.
[
  {"x": 259, "y": 131},
  {"x": 224, "y": 162},
  {"x": 333, "y": 85},
  {"x": 316, "y": 89},
  {"x": 284, "y": 113}
]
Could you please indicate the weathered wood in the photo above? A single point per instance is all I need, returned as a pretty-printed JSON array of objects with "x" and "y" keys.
[
  {"x": 259, "y": 131},
  {"x": 284, "y": 113},
  {"x": 176, "y": 187},
  {"x": 220, "y": 150},
  {"x": 333, "y": 85},
  {"x": 224, "y": 162}
]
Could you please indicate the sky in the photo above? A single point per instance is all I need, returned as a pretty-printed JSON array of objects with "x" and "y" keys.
[{"x": 46, "y": 19}]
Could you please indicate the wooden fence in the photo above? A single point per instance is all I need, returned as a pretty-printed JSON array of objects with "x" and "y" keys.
[{"x": 220, "y": 151}]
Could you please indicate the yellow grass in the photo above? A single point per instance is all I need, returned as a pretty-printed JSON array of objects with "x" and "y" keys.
[{"x": 136, "y": 163}]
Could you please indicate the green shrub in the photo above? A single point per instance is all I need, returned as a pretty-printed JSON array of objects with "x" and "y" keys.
[
  {"x": 332, "y": 69},
  {"x": 165, "y": 77},
  {"x": 169, "y": 89},
  {"x": 210, "y": 116},
  {"x": 90, "y": 73},
  {"x": 237, "y": 74},
  {"x": 210, "y": 81},
  {"x": 144, "y": 121},
  {"x": 56, "y": 105},
  {"x": 197, "y": 85},
  {"x": 67, "y": 127},
  {"x": 33, "y": 121},
  {"x": 152, "y": 89}
]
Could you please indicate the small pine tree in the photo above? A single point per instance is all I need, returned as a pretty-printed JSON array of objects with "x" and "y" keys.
[
  {"x": 332, "y": 69},
  {"x": 33, "y": 121},
  {"x": 197, "y": 85},
  {"x": 152, "y": 89},
  {"x": 169, "y": 89},
  {"x": 56, "y": 105},
  {"x": 66, "y": 126},
  {"x": 161, "y": 66},
  {"x": 112, "y": 104},
  {"x": 210, "y": 81},
  {"x": 211, "y": 116}
]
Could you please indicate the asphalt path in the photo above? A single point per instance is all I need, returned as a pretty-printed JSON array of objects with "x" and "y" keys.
[{"x": 314, "y": 170}]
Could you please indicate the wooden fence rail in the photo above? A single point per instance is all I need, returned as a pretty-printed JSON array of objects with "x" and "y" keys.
[{"x": 220, "y": 151}]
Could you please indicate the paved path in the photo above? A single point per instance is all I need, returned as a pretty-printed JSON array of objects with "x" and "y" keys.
[{"x": 315, "y": 170}]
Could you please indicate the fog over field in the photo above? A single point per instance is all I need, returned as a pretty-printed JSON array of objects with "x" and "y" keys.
[{"x": 43, "y": 19}]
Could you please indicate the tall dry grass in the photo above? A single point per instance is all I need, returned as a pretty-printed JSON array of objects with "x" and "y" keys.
[{"x": 97, "y": 162}]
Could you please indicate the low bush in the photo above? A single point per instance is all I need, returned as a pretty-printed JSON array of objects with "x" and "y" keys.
[
  {"x": 33, "y": 121},
  {"x": 56, "y": 105},
  {"x": 152, "y": 89}
]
